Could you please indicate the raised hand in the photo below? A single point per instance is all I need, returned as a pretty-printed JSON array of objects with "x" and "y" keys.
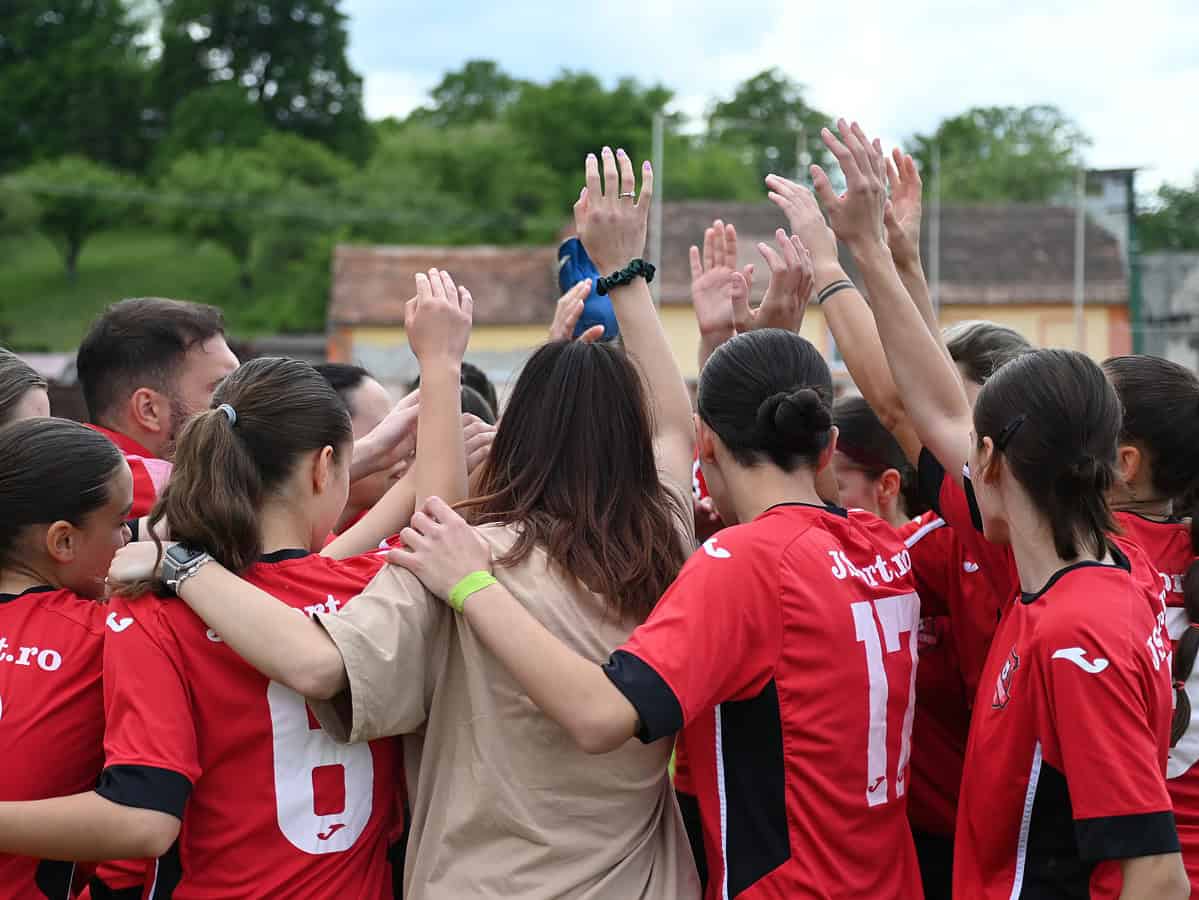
[
  {"x": 902, "y": 213},
  {"x": 610, "y": 217},
  {"x": 857, "y": 215},
  {"x": 437, "y": 320},
  {"x": 806, "y": 220},
  {"x": 712, "y": 282},
  {"x": 478, "y": 437},
  {"x": 791, "y": 279},
  {"x": 568, "y": 312},
  {"x": 390, "y": 444}
]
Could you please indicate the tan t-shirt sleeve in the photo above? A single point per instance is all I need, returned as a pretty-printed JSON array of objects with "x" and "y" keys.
[{"x": 392, "y": 638}]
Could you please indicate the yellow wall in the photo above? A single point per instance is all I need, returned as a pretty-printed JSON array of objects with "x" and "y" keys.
[{"x": 1043, "y": 324}]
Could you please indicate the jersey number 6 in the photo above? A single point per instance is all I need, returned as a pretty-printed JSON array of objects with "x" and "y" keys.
[
  {"x": 897, "y": 616},
  {"x": 301, "y": 752}
]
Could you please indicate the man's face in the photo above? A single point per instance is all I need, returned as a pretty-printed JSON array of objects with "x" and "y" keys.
[{"x": 204, "y": 366}]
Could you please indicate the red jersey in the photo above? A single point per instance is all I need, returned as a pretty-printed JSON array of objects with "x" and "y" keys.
[
  {"x": 1065, "y": 765},
  {"x": 150, "y": 474},
  {"x": 942, "y": 719},
  {"x": 51, "y": 715},
  {"x": 1168, "y": 544},
  {"x": 274, "y": 807},
  {"x": 786, "y": 650}
]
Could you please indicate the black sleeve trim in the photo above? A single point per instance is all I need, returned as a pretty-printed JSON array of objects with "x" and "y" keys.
[
  {"x": 135, "y": 527},
  {"x": 658, "y": 708},
  {"x": 930, "y": 474},
  {"x": 145, "y": 787},
  {"x": 1126, "y": 837}
]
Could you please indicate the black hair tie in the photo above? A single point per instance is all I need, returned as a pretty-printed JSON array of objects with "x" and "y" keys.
[{"x": 638, "y": 268}]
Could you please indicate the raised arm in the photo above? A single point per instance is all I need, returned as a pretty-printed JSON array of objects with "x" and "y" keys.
[
  {"x": 437, "y": 321},
  {"x": 932, "y": 393},
  {"x": 283, "y": 644},
  {"x": 849, "y": 318},
  {"x": 611, "y": 221},
  {"x": 712, "y": 284}
]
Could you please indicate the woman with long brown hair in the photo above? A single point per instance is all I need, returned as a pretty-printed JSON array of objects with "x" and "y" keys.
[{"x": 583, "y": 504}]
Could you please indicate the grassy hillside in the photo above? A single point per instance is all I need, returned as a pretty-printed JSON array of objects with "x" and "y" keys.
[{"x": 41, "y": 310}]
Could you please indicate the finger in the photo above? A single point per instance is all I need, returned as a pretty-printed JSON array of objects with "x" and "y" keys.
[
  {"x": 893, "y": 178},
  {"x": 592, "y": 334},
  {"x": 823, "y": 187},
  {"x": 709, "y": 249},
  {"x": 841, "y": 153},
  {"x": 889, "y": 221},
  {"x": 448, "y": 286},
  {"x": 582, "y": 289},
  {"x": 748, "y": 274},
  {"x": 718, "y": 248},
  {"x": 411, "y": 399},
  {"x": 424, "y": 291},
  {"x": 773, "y": 260},
  {"x": 436, "y": 285},
  {"x": 414, "y": 541},
  {"x": 742, "y": 316},
  {"x": 911, "y": 171},
  {"x": 572, "y": 318},
  {"x": 466, "y": 302},
  {"x": 730, "y": 246},
  {"x": 807, "y": 268},
  {"x": 402, "y": 557},
  {"x": 856, "y": 144},
  {"x": 628, "y": 181},
  {"x": 647, "y": 185},
  {"x": 422, "y": 522},
  {"x": 790, "y": 254},
  {"x": 697, "y": 266},
  {"x": 580, "y": 208},
  {"x": 440, "y": 511},
  {"x": 781, "y": 185},
  {"x": 611, "y": 178},
  {"x": 593, "y": 190}
]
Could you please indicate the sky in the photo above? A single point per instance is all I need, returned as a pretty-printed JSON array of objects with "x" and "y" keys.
[{"x": 1127, "y": 72}]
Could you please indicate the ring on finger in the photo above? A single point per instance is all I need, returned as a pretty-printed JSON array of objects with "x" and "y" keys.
[{"x": 628, "y": 195}]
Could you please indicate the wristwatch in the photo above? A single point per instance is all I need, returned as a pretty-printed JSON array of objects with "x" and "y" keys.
[{"x": 180, "y": 563}]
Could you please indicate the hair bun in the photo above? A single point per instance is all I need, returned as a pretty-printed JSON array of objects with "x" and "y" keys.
[{"x": 797, "y": 419}]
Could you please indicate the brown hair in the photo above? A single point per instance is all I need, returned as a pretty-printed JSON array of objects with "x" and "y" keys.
[
  {"x": 981, "y": 347},
  {"x": 1056, "y": 419},
  {"x": 139, "y": 343},
  {"x": 1161, "y": 414},
  {"x": 572, "y": 467},
  {"x": 225, "y": 469},
  {"x": 17, "y": 378}
]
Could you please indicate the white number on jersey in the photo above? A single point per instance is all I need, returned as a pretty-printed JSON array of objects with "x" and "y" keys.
[
  {"x": 897, "y": 616},
  {"x": 301, "y": 750}
]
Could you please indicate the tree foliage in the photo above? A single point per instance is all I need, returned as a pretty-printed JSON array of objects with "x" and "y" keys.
[
  {"x": 478, "y": 92},
  {"x": 73, "y": 198},
  {"x": 1172, "y": 221},
  {"x": 999, "y": 154},
  {"x": 289, "y": 56},
  {"x": 73, "y": 80},
  {"x": 768, "y": 117}
]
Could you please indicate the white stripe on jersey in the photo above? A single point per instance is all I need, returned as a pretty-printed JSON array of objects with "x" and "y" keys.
[
  {"x": 724, "y": 812},
  {"x": 1030, "y": 798},
  {"x": 922, "y": 532}
]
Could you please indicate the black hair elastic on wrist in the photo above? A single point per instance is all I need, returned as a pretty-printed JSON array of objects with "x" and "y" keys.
[
  {"x": 638, "y": 268},
  {"x": 829, "y": 290}
]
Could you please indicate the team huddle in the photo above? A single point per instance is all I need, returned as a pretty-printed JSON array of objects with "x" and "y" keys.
[{"x": 266, "y": 632}]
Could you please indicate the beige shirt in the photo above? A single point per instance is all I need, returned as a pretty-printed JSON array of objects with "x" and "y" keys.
[{"x": 503, "y": 802}]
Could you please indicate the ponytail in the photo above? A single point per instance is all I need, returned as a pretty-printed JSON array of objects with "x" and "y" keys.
[{"x": 231, "y": 458}]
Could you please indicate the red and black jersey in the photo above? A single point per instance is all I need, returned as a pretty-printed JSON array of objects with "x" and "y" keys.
[
  {"x": 150, "y": 474},
  {"x": 1065, "y": 766},
  {"x": 1168, "y": 544},
  {"x": 271, "y": 806},
  {"x": 786, "y": 651},
  {"x": 51, "y": 714},
  {"x": 942, "y": 719}
]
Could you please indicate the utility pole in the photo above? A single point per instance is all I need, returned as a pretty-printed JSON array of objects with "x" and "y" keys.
[{"x": 655, "y": 212}]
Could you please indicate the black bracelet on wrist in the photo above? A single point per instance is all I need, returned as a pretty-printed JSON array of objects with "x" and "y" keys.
[
  {"x": 638, "y": 268},
  {"x": 835, "y": 287}
]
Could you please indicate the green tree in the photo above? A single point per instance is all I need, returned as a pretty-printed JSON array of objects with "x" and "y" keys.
[
  {"x": 478, "y": 92},
  {"x": 224, "y": 196},
  {"x": 767, "y": 116},
  {"x": 698, "y": 169},
  {"x": 1172, "y": 221},
  {"x": 569, "y": 117},
  {"x": 74, "y": 198},
  {"x": 74, "y": 79},
  {"x": 219, "y": 115},
  {"x": 288, "y": 55},
  {"x": 1003, "y": 154}
]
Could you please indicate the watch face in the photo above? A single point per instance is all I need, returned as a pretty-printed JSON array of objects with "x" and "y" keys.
[{"x": 179, "y": 554}]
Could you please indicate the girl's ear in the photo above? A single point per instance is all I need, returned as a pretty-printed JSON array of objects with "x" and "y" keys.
[
  {"x": 322, "y": 469},
  {"x": 1129, "y": 462},
  {"x": 60, "y": 542},
  {"x": 704, "y": 441},
  {"x": 887, "y": 487},
  {"x": 825, "y": 459},
  {"x": 988, "y": 462}
]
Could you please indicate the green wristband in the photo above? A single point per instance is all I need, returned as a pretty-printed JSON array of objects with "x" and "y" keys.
[{"x": 471, "y": 584}]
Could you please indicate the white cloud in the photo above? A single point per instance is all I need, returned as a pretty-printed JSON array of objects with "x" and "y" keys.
[{"x": 1128, "y": 73}]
